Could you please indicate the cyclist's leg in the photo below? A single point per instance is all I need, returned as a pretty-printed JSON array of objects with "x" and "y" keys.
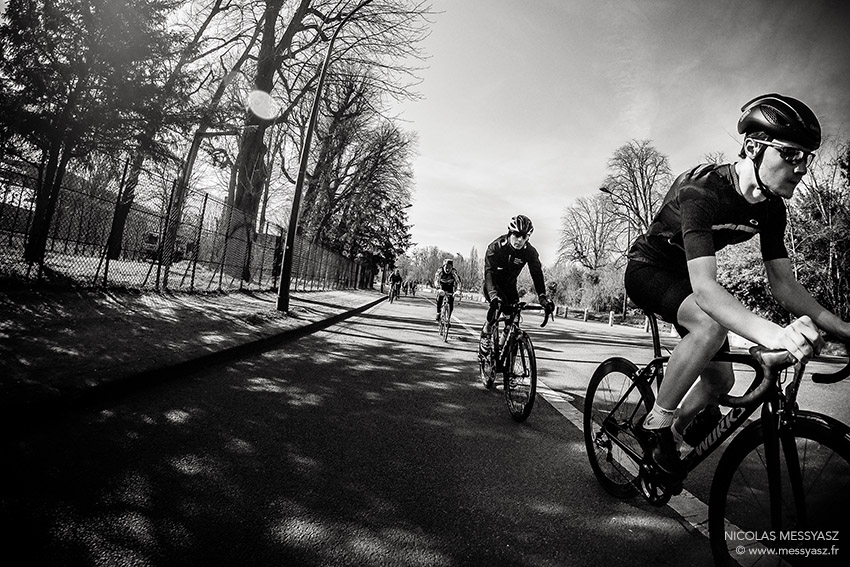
[
  {"x": 689, "y": 359},
  {"x": 451, "y": 300},
  {"x": 669, "y": 294},
  {"x": 716, "y": 379},
  {"x": 440, "y": 295},
  {"x": 485, "y": 341}
]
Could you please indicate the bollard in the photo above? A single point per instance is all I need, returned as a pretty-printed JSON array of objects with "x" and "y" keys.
[
  {"x": 585, "y": 315},
  {"x": 646, "y": 324},
  {"x": 610, "y": 318}
]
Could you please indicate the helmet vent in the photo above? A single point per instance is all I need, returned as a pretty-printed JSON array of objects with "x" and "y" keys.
[{"x": 774, "y": 116}]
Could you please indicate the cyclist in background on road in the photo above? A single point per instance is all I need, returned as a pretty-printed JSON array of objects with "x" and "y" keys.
[
  {"x": 505, "y": 258},
  {"x": 447, "y": 281},
  {"x": 395, "y": 281},
  {"x": 672, "y": 270}
]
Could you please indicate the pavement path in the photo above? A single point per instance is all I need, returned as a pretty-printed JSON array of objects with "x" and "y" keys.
[{"x": 57, "y": 348}]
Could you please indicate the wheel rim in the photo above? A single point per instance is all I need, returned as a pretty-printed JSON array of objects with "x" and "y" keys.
[
  {"x": 605, "y": 432},
  {"x": 745, "y": 510},
  {"x": 520, "y": 382}
]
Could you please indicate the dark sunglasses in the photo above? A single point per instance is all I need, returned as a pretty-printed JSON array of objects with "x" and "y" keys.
[{"x": 792, "y": 155}]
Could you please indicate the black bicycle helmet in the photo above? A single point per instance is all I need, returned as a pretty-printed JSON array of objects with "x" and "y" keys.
[
  {"x": 521, "y": 224},
  {"x": 781, "y": 117}
]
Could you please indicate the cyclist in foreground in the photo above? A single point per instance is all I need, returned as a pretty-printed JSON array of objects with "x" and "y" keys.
[
  {"x": 672, "y": 270},
  {"x": 446, "y": 280},
  {"x": 505, "y": 258}
]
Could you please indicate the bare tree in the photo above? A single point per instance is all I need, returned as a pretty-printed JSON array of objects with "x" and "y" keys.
[
  {"x": 717, "y": 157},
  {"x": 589, "y": 233},
  {"x": 638, "y": 179},
  {"x": 819, "y": 227}
]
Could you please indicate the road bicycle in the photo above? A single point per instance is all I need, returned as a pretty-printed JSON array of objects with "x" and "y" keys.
[
  {"x": 394, "y": 291},
  {"x": 782, "y": 481},
  {"x": 446, "y": 313},
  {"x": 512, "y": 355}
]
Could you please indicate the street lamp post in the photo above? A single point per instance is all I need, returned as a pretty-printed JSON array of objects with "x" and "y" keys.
[{"x": 286, "y": 263}]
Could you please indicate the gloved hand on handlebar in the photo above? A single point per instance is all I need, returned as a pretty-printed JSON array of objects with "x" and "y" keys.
[{"x": 546, "y": 303}]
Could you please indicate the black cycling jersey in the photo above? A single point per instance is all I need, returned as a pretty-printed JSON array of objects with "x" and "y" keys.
[
  {"x": 704, "y": 212},
  {"x": 502, "y": 265},
  {"x": 447, "y": 281}
]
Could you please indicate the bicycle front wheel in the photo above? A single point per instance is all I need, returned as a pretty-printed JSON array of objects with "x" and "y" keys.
[
  {"x": 520, "y": 378},
  {"x": 614, "y": 402},
  {"x": 814, "y": 484}
]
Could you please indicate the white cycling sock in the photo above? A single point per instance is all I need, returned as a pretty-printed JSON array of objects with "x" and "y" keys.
[{"x": 659, "y": 417}]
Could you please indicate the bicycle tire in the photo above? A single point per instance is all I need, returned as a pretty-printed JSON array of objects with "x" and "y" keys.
[
  {"x": 610, "y": 385},
  {"x": 739, "y": 512},
  {"x": 487, "y": 364},
  {"x": 442, "y": 324},
  {"x": 520, "y": 378}
]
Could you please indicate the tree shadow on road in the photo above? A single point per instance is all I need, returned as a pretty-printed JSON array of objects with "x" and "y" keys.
[{"x": 353, "y": 446}]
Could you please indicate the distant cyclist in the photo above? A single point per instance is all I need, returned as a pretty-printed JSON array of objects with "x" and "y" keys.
[
  {"x": 505, "y": 258},
  {"x": 672, "y": 269},
  {"x": 395, "y": 282},
  {"x": 447, "y": 281}
]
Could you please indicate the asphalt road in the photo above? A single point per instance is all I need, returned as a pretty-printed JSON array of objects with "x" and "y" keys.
[{"x": 369, "y": 443}]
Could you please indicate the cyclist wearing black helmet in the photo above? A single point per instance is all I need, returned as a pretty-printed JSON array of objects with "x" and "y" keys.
[
  {"x": 447, "y": 281},
  {"x": 505, "y": 258},
  {"x": 672, "y": 269}
]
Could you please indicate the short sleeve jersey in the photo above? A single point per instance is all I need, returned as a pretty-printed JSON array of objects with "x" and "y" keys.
[{"x": 702, "y": 213}]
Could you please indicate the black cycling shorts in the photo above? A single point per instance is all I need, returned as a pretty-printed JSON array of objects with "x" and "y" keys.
[
  {"x": 658, "y": 290},
  {"x": 661, "y": 292}
]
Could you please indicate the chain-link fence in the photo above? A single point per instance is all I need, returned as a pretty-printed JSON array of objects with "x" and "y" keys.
[{"x": 199, "y": 245}]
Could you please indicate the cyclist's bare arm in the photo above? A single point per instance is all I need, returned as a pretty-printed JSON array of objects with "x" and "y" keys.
[{"x": 724, "y": 308}]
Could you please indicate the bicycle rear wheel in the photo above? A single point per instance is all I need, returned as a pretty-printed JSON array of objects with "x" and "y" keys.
[
  {"x": 814, "y": 479},
  {"x": 520, "y": 378},
  {"x": 614, "y": 402}
]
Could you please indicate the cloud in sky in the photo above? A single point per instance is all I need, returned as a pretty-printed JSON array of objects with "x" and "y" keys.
[{"x": 525, "y": 102}]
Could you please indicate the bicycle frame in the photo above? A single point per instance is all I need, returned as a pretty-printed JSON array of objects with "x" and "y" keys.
[
  {"x": 446, "y": 313},
  {"x": 502, "y": 338},
  {"x": 653, "y": 371},
  {"x": 779, "y": 473},
  {"x": 777, "y": 407}
]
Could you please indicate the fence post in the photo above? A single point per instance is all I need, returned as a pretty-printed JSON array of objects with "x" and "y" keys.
[
  {"x": 610, "y": 318},
  {"x": 159, "y": 249},
  {"x": 585, "y": 314},
  {"x": 197, "y": 250}
]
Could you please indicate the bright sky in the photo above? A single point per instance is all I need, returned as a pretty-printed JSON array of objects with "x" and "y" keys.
[{"x": 525, "y": 102}]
